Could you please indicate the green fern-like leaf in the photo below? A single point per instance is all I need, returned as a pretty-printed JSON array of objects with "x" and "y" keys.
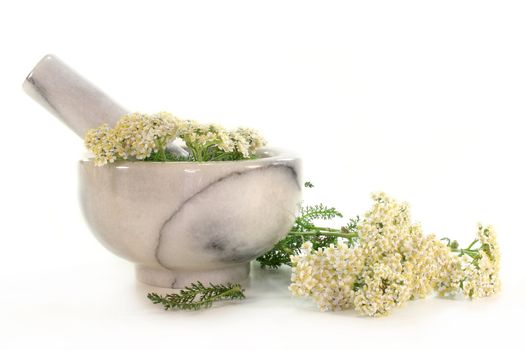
[
  {"x": 305, "y": 229},
  {"x": 310, "y": 213},
  {"x": 197, "y": 296}
]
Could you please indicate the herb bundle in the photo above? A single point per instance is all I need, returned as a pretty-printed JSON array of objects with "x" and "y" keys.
[
  {"x": 388, "y": 261},
  {"x": 146, "y": 137}
]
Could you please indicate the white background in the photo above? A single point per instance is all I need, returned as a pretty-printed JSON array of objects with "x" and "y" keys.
[{"x": 421, "y": 99}]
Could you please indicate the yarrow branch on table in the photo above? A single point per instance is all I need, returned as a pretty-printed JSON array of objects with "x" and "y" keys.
[{"x": 379, "y": 263}]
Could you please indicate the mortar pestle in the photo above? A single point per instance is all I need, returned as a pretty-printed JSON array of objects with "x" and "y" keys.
[
  {"x": 179, "y": 222},
  {"x": 75, "y": 101}
]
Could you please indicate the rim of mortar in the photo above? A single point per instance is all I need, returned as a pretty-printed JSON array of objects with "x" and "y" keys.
[{"x": 265, "y": 154}]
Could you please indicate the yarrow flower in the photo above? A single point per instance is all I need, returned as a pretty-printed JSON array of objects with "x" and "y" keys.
[
  {"x": 328, "y": 275},
  {"x": 135, "y": 135},
  {"x": 477, "y": 267},
  {"x": 141, "y": 136},
  {"x": 392, "y": 262},
  {"x": 213, "y": 142},
  {"x": 102, "y": 143}
]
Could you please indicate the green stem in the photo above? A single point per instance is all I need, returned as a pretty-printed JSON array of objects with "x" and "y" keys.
[
  {"x": 161, "y": 151},
  {"x": 327, "y": 229},
  {"x": 473, "y": 253},
  {"x": 233, "y": 290},
  {"x": 335, "y": 233},
  {"x": 218, "y": 297},
  {"x": 162, "y": 154},
  {"x": 198, "y": 154},
  {"x": 471, "y": 244}
]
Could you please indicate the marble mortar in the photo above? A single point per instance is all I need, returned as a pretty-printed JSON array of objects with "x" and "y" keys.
[
  {"x": 179, "y": 222},
  {"x": 182, "y": 222}
]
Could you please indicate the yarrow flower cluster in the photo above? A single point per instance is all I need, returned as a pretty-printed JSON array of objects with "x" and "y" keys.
[
  {"x": 135, "y": 135},
  {"x": 391, "y": 262},
  {"x": 145, "y": 137},
  {"x": 475, "y": 270},
  {"x": 213, "y": 142}
]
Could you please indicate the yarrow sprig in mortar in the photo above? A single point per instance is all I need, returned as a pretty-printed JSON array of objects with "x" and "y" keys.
[
  {"x": 145, "y": 137},
  {"x": 197, "y": 296}
]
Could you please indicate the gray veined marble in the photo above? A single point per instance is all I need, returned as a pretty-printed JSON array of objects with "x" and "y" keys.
[
  {"x": 75, "y": 101},
  {"x": 180, "y": 222}
]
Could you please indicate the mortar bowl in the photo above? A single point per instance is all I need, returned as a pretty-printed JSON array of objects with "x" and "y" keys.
[{"x": 183, "y": 222}]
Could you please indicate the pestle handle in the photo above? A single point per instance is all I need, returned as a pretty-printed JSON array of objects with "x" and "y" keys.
[
  {"x": 70, "y": 97},
  {"x": 74, "y": 100}
]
